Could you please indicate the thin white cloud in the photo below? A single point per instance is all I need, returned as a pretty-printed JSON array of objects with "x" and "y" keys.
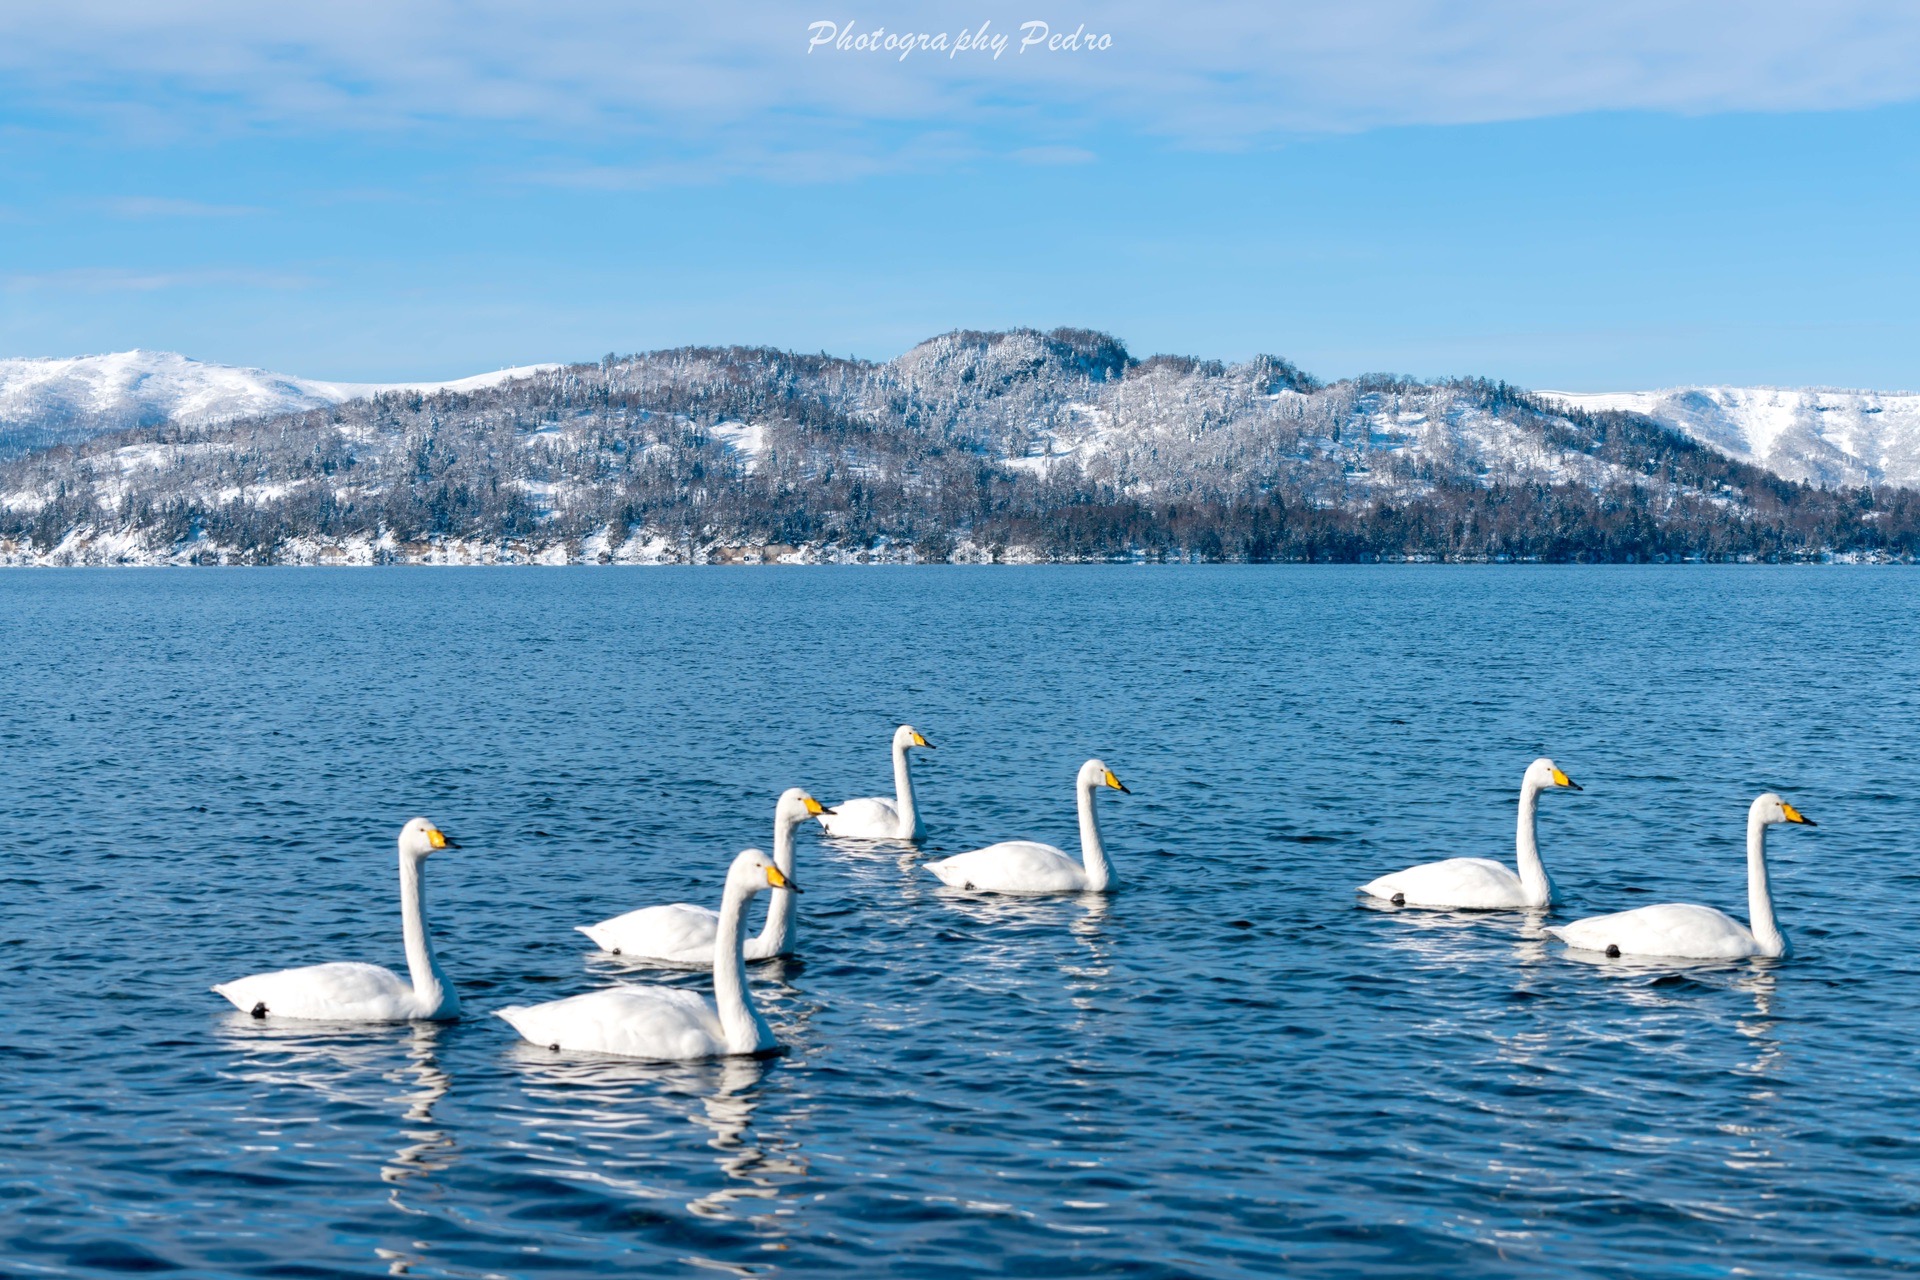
[
  {"x": 739, "y": 79},
  {"x": 125, "y": 280},
  {"x": 164, "y": 207},
  {"x": 1054, "y": 155}
]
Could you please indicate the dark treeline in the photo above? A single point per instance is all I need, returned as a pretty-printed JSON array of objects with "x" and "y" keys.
[{"x": 1054, "y": 444}]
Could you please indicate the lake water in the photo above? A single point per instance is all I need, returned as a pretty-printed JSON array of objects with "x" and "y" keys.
[{"x": 202, "y": 773}]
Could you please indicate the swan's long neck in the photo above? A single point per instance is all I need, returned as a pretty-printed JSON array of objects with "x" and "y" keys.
[
  {"x": 1534, "y": 881},
  {"x": 1092, "y": 852},
  {"x": 745, "y": 1029},
  {"x": 1766, "y": 931},
  {"x": 777, "y": 932},
  {"x": 903, "y": 792},
  {"x": 430, "y": 982}
]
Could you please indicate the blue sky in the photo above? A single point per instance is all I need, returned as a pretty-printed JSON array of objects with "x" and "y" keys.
[{"x": 1579, "y": 197}]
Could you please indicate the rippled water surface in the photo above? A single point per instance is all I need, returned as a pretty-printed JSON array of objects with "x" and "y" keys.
[{"x": 1228, "y": 1068}]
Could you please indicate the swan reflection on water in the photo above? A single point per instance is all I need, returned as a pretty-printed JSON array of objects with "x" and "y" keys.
[
  {"x": 428, "y": 1150},
  {"x": 756, "y": 1173},
  {"x": 356, "y": 1069},
  {"x": 615, "y": 1123},
  {"x": 1449, "y": 937},
  {"x": 341, "y": 1061},
  {"x": 352, "y": 1065}
]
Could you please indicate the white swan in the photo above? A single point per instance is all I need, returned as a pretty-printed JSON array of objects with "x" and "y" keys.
[
  {"x": 682, "y": 934},
  {"x": 354, "y": 992},
  {"x": 668, "y": 1023},
  {"x": 1027, "y": 866},
  {"x": 1481, "y": 884},
  {"x": 1688, "y": 932},
  {"x": 874, "y": 818}
]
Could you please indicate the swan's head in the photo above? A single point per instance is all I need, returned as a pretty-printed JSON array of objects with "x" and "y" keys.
[
  {"x": 1770, "y": 808},
  {"x": 796, "y": 806},
  {"x": 754, "y": 871},
  {"x": 908, "y": 736},
  {"x": 420, "y": 838},
  {"x": 1544, "y": 775},
  {"x": 1094, "y": 773}
]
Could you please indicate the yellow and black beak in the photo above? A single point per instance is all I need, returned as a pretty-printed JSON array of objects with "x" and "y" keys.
[
  {"x": 779, "y": 881},
  {"x": 1794, "y": 815},
  {"x": 1116, "y": 784},
  {"x": 1562, "y": 780},
  {"x": 919, "y": 741},
  {"x": 438, "y": 839},
  {"x": 815, "y": 808}
]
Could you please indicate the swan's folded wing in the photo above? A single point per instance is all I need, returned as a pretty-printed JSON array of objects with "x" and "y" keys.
[
  {"x": 346, "y": 990},
  {"x": 1452, "y": 882},
  {"x": 1682, "y": 930},
  {"x": 1013, "y": 866},
  {"x": 657, "y": 1023},
  {"x": 679, "y": 931},
  {"x": 870, "y": 818}
]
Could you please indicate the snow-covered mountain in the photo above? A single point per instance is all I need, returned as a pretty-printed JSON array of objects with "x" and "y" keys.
[
  {"x": 54, "y": 401},
  {"x": 1829, "y": 438},
  {"x": 1004, "y": 445}
]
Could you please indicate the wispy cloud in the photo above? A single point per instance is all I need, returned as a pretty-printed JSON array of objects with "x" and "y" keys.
[
  {"x": 737, "y": 84},
  {"x": 165, "y": 207},
  {"x": 125, "y": 280},
  {"x": 1054, "y": 155}
]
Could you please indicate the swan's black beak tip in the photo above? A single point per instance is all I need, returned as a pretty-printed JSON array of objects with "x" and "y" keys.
[{"x": 1574, "y": 786}]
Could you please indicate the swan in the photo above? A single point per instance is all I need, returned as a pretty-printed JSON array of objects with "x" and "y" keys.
[
  {"x": 1027, "y": 866},
  {"x": 874, "y": 818},
  {"x": 354, "y": 992},
  {"x": 668, "y": 1023},
  {"x": 682, "y": 934},
  {"x": 1688, "y": 932},
  {"x": 1481, "y": 884}
]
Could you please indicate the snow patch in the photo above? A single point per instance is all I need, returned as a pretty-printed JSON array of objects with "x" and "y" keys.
[{"x": 1822, "y": 436}]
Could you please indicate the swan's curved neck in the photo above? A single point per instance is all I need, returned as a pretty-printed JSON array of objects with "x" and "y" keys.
[
  {"x": 777, "y": 932},
  {"x": 430, "y": 981},
  {"x": 903, "y": 792},
  {"x": 1534, "y": 880},
  {"x": 1092, "y": 852},
  {"x": 1766, "y": 931},
  {"x": 745, "y": 1029}
]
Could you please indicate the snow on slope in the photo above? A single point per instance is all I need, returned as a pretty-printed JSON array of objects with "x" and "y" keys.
[
  {"x": 45, "y": 401},
  {"x": 1828, "y": 438}
]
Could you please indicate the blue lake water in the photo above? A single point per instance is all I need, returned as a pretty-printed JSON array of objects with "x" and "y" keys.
[{"x": 202, "y": 772}]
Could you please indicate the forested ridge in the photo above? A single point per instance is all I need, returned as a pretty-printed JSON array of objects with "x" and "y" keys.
[{"x": 971, "y": 446}]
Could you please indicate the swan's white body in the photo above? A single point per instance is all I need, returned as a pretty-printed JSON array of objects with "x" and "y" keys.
[
  {"x": 1684, "y": 931},
  {"x": 1027, "y": 866},
  {"x": 664, "y": 1024},
  {"x": 1481, "y": 884},
  {"x": 875, "y": 818},
  {"x": 682, "y": 934},
  {"x": 353, "y": 992}
]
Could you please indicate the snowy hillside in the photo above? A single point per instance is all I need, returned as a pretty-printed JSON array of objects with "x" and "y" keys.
[
  {"x": 972, "y": 445},
  {"x": 1828, "y": 438},
  {"x": 54, "y": 401}
]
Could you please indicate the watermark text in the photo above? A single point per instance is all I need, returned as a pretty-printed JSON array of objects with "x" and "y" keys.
[{"x": 977, "y": 42}]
